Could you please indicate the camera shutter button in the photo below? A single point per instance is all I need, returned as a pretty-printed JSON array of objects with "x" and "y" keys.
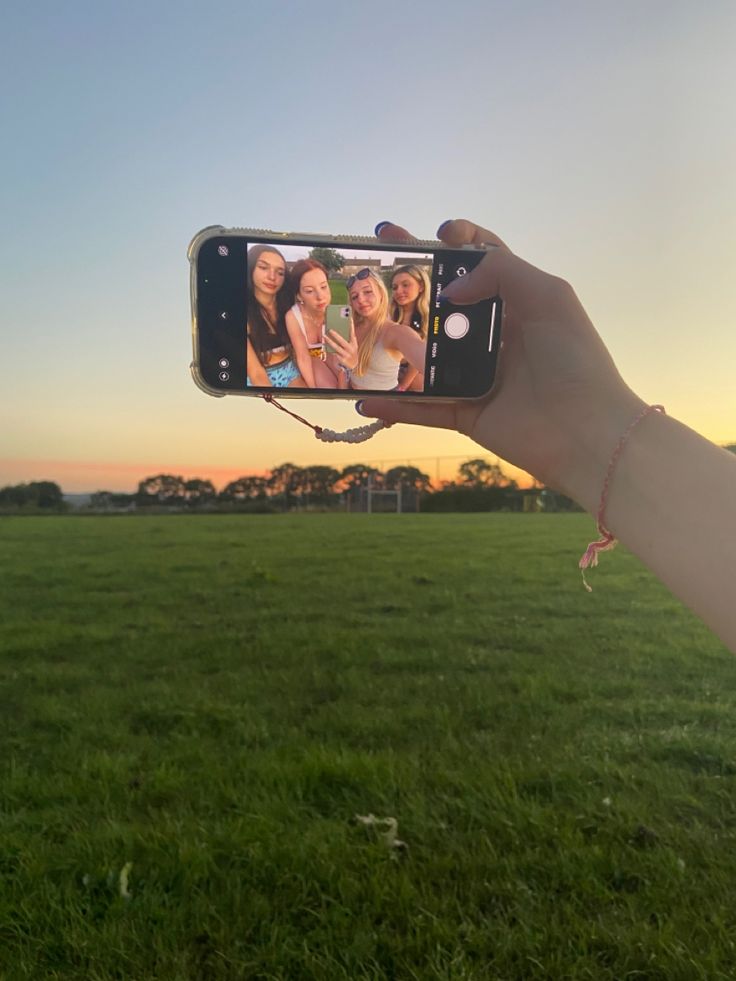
[{"x": 457, "y": 325}]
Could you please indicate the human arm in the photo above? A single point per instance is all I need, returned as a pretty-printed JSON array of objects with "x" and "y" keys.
[
  {"x": 558, "y": 412},
  {"x": 254, "y": 369},
  {"x": 407, "y": 343},
  {"x": 410, "y": 375},
  {"x": 301, "y": 351},
  {"x": 341, "y": 374}
]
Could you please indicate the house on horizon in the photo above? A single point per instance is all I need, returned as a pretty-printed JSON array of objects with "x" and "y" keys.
[{"x": 354, "y": 265}]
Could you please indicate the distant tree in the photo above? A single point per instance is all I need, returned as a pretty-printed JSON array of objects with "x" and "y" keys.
[
  {"x": 285, "y": 482},
  {"x": 330, "y": 258},
  {"x": 198, "y": 493},
  {"x": 101, "y": 500},
  {"x": 244, "y": 489},
  {"x": 481, "y": 473},
  {"x": 12, "y": 496},
  {"x": 551, "y": 500},
  {"x": 43, "y": 494},
  {"x": 358, "y": 475},
  {"x": 318, "y": 484},
  {"x": 458, "y": 497},
  {"x": 47, "y": 494},
  {"x": 731, "y": 447},
  {"x": 163, "y": 489},
  {"x": 408, "y": 479},
  {"x": 110, "y": 501}
]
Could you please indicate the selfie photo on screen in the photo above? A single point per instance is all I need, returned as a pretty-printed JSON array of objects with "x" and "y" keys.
[
  {"x": 332, "y": 316},
  {"x": 360, "y": 325}
]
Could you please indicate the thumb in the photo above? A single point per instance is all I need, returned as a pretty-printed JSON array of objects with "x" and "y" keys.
[
  {"x": 440, "y": 415},
  {"x": 479, "y": 284}
]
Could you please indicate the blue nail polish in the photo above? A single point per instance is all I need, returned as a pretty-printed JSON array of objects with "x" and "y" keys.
[
  {"x": 379, "y": 226},
  {"x": 359, "y": 408},
  {"x": 443, "y": 225}
]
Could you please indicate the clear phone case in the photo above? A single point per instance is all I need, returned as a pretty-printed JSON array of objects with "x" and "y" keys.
[{"x": 298, "y": 238}]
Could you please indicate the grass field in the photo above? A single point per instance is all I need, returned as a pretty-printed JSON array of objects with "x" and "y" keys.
[
  {"x": 194, "y": 709},
  {"x": 338, "y": 291}
]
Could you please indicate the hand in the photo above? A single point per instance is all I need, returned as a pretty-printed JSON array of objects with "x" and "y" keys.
[
  {"x": 347, "y": 351},
  {"x": 257, "y": 374},
  {"x": 559, "y": 403}
]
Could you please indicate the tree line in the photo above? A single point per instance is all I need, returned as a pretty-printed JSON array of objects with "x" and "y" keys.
[
  {"x": 39, "y": 495},
  {"x": 288, "y": 487},
  {"x": 478, "y": 486}
]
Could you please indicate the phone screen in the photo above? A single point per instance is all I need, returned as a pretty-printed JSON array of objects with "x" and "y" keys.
[
  {"x": 313, "y": 319},
  {"x": 338, "y": 319}
]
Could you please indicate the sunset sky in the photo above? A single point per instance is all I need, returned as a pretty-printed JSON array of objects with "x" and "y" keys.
[{"x": 598, "y": 139}]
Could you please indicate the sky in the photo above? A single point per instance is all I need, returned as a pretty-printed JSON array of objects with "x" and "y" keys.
[{"x": 599, "y": 140}]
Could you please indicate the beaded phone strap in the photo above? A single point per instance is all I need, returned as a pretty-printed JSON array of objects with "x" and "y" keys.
[
  {"x": 358, "y": 435},
  {"x": 607, "y": 540}
]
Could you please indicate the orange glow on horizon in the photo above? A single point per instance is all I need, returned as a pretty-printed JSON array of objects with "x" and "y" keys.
[
  {"x": 87, "y": 476},
  {"x": 83, "y": 476}
]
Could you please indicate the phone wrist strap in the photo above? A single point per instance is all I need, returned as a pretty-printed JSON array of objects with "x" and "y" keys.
[
  {"x": 358, "y": 435},
  {"x": 607, "y": 540}
]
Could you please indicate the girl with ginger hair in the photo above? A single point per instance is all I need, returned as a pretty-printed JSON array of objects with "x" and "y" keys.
[{"x": 310, "y": 286}]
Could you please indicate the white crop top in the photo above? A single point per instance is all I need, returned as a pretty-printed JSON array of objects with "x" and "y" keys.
[{"x": 382, "y": 372}]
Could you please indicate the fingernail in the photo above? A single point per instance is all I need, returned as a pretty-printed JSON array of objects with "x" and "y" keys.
[
  {"x": 379, "y": 226},
  {"x": 359, "y": 408},
  {"x": 442, "y": 226}
]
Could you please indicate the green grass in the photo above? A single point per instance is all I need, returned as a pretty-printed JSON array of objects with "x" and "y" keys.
[
  {"x": 338, "y": 291},
  {"x": 213, "y": 699}
]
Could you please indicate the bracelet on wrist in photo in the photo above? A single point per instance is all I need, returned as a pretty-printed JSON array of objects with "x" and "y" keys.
[{"x": 607, "y": 541}]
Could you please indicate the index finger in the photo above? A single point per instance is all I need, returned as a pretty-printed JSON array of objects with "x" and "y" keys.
[
  {"x": 460, "y": 231},
  {"x": 387, "y": 231}
]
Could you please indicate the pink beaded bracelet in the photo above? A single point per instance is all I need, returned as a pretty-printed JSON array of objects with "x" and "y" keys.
[{"x": 607, "y": 541}]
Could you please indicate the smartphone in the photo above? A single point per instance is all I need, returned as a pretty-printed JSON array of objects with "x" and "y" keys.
[
  {"x": 253, "y": 290},
  {"x": 337, "y": 319}
]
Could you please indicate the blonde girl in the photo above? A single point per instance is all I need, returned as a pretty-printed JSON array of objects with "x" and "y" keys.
[
  {"x": 410, "y": 306},
  {"x": 382, "y": 343}
]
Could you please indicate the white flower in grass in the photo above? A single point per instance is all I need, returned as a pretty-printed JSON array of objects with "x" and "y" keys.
[
  {"x": 123, "y": 881},
  {"x": 606, "y": 802},
  {"x": 389, "y": 833}
]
